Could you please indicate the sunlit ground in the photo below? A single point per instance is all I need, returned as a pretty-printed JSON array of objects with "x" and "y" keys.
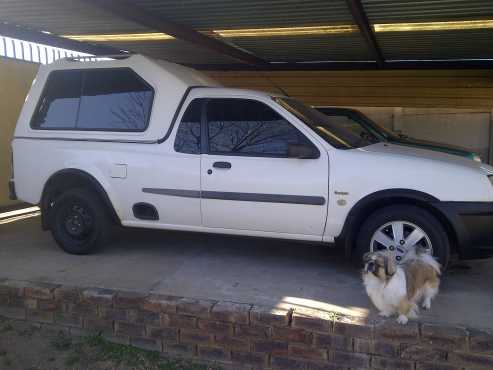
[
  {"x": 19, "y": 214},
  {"x": 310, "y": 306}
]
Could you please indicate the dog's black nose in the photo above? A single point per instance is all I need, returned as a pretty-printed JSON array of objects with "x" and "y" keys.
[{"x": 370, "y": 267}]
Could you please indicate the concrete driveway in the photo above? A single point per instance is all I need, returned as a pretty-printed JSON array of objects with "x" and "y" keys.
[{"x": 246, "y": 270}]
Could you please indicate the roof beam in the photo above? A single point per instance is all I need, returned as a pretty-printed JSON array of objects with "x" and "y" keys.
[
  {"x": 136, "y": 14},
  {"x": 21, "y": 33},
  {"x": 351, "y": 66},
  {"x": 361, "y": 19}
]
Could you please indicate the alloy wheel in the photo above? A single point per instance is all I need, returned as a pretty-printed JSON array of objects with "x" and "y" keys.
[{"x": 399, "y": 237}]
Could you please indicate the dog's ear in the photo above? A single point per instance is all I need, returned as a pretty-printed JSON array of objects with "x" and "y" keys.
[{"x": 390, "y": 266}]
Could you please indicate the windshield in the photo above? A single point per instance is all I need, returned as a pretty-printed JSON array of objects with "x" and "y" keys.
[
  {"x": 380, "y": 129},
  {"x": 337, "y": 136}
]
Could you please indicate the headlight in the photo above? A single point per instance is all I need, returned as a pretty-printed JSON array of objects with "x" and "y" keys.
[{"x": 476, "y": 158}]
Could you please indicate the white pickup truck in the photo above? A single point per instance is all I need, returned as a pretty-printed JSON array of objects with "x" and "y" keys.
[{"x": 145, "y": 143}]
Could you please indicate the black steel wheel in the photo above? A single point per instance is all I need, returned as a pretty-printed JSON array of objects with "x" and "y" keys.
[{"x": 80, "y": 223}]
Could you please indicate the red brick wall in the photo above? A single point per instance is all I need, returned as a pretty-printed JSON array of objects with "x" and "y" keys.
[{"x": 244, "y": 336}]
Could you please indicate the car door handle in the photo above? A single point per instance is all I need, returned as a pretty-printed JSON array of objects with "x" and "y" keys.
[{"x": 226, "y": 165}]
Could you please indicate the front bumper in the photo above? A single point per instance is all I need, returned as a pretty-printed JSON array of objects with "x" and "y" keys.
[
  {"x": 12, "y": 194},
  {"x": 472, "y": 223}
]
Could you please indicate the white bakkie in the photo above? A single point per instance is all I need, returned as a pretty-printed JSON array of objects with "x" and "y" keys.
[{"x": 145, "y": 143}]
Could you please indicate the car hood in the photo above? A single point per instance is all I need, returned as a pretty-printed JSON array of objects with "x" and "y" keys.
[
  {"x": 388, "y": 149},
  {"x": 432, "y": 144}
]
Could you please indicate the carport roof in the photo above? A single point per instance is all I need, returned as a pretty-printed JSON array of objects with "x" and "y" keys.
[{"x": 278, "y": 34}]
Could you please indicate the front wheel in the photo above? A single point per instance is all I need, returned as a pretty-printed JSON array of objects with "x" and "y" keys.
[
  {"x": 400, "y": 229},
  {"x": 79, "y": 222}
]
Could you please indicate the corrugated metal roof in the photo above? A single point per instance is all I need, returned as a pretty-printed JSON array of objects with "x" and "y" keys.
[
  {"x": 350, "y": 46},
  {"x": 77, "y": 17},
  {"x": 64, "y": 17},
  {"x": 470, "y": 44},
  {"x": 443, "y": 44},
  {"x": 392, "y": 11},
  {"x": 220, "y": 14}
]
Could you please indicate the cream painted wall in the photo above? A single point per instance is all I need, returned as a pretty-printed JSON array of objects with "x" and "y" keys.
[
  {"x": 15, "y": 80},
  {"x": 467, "y": 128}
]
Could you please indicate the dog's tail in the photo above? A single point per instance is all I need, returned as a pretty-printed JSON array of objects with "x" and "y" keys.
[{"x": 431, "y": 261}]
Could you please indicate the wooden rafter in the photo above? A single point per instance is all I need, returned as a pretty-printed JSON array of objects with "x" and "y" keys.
[
  {"x": 137, "y": 14},
  {"x": 361, "y": 19}
]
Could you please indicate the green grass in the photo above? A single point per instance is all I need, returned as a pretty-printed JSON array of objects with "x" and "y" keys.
[{"x": 128, "y": 356}]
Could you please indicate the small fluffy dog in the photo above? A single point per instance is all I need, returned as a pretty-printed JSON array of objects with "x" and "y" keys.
[{"x": 399, "y": 288}]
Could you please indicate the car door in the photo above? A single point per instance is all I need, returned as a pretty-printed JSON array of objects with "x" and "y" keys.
[
  {"x": 169, "y": 176},
  {"x": 249, "y": 182}
]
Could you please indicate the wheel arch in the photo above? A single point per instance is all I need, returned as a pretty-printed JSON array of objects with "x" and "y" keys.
[
  {"x": 70, "y": 178},
  {"x": 375, "y": 201}
]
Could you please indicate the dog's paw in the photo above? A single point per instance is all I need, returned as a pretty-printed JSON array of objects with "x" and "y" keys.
[
  {"x": 426, "y": 304},
  {"x": 413, "y": 313},
  {"x": 385, "y": 314},
  {"x": 402, "y": 319}
]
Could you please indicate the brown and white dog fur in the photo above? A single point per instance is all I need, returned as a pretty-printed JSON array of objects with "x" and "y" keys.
[{"x": 400, "y": 288}]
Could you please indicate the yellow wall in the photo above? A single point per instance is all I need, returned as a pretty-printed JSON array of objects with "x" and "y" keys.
[
  {"x": 15, "y": 80},
  {"x": 392, "y": 88}
]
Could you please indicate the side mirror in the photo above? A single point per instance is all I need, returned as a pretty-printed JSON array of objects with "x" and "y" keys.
[{"x": 303, "y": 151}]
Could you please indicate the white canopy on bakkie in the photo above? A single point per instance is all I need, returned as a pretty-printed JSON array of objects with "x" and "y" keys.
[{"x": 169, "y": 81}]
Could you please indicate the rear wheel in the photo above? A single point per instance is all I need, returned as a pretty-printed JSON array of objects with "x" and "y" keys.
[
  {"x": 80, "y": 223},
  {"x": 400, "y": 229}
]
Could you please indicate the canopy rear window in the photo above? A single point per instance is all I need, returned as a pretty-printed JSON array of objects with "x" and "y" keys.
[{"x": 94, "y": 100}]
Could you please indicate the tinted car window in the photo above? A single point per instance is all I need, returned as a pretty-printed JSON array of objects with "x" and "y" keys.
[
  {"x": 336, "y": 135},
  {"x": 239, "y": 126},
  {"x": 353, "y": 125},
  {"x": 188, "y": 136},
  {"x": 97, "y": 100},
  {"x": 59, "y": 104},
  {"x": 114, "y": 100}
]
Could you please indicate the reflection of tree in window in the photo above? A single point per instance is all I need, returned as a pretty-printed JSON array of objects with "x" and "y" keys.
[
  {"x": 131, "y": 111},
  {"x": 99, "y": 99},
  {"x": 116, "y": 100},
  {"x": 248, "y": 127},
  {"x": 188, "y": 135}
]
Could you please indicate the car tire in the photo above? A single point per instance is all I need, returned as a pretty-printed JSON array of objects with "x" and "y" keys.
[
  {"x": 410, "y": 216},
  {"x": 79, "y": 222}
]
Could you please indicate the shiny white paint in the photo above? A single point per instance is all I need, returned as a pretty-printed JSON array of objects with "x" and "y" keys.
[
  {"x": 123, "y": 169},
  {"x": 361, "y": 172}
]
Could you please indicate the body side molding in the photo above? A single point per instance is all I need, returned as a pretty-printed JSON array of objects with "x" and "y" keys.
[
  {"x": 173, "y": 192},
  {"x": 244, "y": 197}
]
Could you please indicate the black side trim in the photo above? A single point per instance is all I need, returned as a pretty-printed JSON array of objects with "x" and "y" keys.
[
  {"x": 467, "y": 208},
  {"x": 266, "y": 198},
  {"x": 472, "y": 223},
  {"x": 244, "y": 197},
  {"x": 173, "y": 192}
]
